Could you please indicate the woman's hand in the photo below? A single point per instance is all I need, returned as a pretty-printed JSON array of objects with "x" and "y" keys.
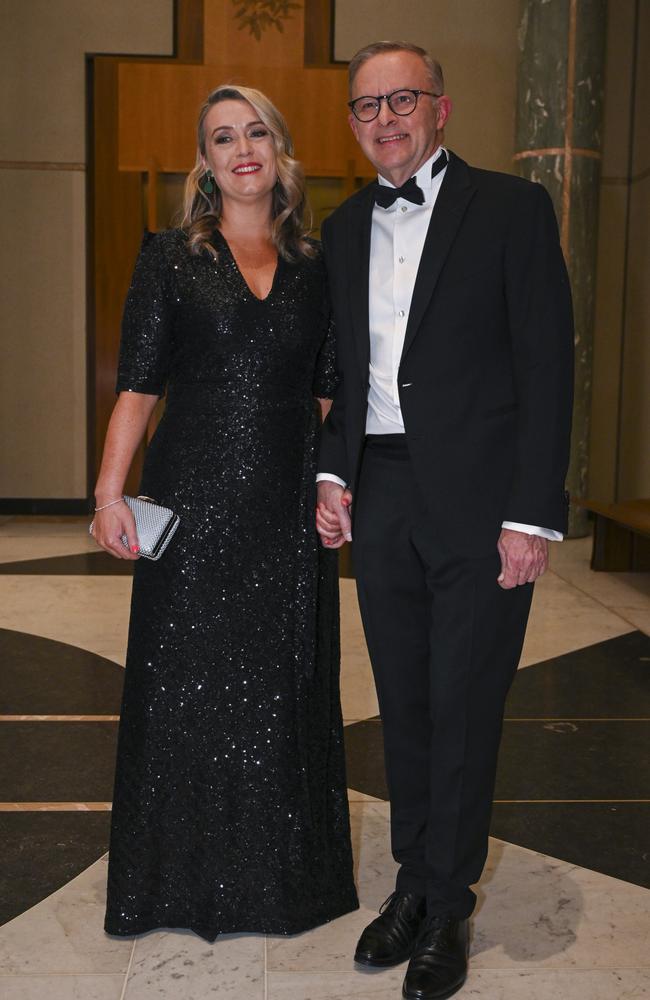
[
  {"x": 108, "y": 527},
  {"x": 126, "y": 429}
]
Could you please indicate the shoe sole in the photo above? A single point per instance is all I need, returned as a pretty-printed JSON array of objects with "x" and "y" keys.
[{"x": 435, "y": 996}]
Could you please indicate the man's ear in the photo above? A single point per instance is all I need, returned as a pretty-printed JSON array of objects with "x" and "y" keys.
[
  {"x": 354, "y": 125},
  {"x": 443, "y": 109}
]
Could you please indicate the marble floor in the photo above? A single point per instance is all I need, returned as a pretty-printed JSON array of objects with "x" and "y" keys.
[{"x": 568, "y": 919}]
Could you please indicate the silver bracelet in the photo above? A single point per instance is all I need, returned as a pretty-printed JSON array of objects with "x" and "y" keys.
[{"x": 104, "y": 506}]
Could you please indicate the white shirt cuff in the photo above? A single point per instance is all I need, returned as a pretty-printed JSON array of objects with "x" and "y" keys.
[
  {"x": 329, "y": 478},
  {"x": 532, "y": 529}
]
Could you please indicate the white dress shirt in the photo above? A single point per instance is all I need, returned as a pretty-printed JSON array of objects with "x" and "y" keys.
[{"x": 396, "y": 242}]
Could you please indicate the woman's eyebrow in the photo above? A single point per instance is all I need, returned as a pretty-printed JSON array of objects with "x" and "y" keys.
[{"x": 224, "y": 128}]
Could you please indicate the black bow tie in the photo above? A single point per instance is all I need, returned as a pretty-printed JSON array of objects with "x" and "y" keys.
[{"x": 386, "y": 196}]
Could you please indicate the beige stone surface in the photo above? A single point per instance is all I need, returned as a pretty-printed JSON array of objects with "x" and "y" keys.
[
  {"x": 476, "y": 43},
  {"x": 43, "y": 48},
  {"x": 42, "y": 66},
  {"x": 43, "y": 350}
]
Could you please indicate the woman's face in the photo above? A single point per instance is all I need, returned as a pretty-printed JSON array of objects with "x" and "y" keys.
[{"x": 240, "y": 152}]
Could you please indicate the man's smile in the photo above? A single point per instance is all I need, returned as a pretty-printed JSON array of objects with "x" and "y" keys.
[{"x": 396, "y": 137}]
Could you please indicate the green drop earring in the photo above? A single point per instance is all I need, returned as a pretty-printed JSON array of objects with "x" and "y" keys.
[{"x": 208, "y": 185}]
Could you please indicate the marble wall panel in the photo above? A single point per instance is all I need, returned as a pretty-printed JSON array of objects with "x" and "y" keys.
[
  {"x": 589, "y": 75},
  {"x": 43, "y": 49},
  {"x": 42, "y": 68},
  {"x": 541, "y": 104},
  {"x": 43, "y": 347}
]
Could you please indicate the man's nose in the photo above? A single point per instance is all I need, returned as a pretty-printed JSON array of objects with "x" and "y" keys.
[{"x": 386, "y": 115}]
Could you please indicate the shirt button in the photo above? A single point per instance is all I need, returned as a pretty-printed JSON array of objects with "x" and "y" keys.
[
  {"x": 401, "y": 260},
  {"x": 404, "y": 208},
  {"x": 401, "y": 312}
]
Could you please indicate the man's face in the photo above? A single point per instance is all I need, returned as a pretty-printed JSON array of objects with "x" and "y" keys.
[{"x": 398, "y": 145}]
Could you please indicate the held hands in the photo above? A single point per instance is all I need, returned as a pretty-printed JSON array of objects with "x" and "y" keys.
[
  {"x": 108, "y": 527},
  {"x": 333, "y": 515},
  {"x": 523, "y": 558}
]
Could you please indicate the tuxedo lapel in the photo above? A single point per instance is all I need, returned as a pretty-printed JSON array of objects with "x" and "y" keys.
[
  {"x": 453, "y": 198},
  {"x": 359, "y": 277}
]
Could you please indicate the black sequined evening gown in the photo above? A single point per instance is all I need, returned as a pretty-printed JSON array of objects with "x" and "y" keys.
[{"x": 230, "y": 809}]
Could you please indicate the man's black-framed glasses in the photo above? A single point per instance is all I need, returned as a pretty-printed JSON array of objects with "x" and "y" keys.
[{"x": 400, "y": 102}]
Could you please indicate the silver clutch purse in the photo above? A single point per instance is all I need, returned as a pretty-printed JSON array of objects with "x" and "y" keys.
[{"x": 154, "y": 524}]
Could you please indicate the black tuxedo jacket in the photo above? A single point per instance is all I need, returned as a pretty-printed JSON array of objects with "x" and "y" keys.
[{"x": 486, "y": 373}]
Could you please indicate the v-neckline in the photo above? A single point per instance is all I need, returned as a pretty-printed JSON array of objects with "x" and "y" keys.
[{"x": 241, "y": 276}]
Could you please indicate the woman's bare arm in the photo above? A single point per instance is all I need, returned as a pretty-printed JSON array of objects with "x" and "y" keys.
[{"x": 126, "y": 429}]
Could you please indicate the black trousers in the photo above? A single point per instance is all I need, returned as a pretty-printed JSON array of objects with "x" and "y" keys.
[{"x": 444, "y": 641}]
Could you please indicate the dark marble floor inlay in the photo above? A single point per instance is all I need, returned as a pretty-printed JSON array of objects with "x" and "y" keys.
[
  {"x": 42, "y": 851},
  {"x": 57, "y": 761},
  {"x": 577, "y": 730},
  {"x": 44, "y": 677},
  {"x": 52, "y": 762},
  {"x": 608, "y": 837},
  {"x": 83, "y": 564}
]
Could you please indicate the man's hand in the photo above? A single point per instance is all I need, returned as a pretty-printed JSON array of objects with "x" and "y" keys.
[
  {"x": 333, "y": 514},
  {"x": 523, "y": 558}
]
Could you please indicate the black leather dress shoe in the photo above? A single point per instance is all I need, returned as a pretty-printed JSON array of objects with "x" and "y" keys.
[
  {"x": 438, "y": 967},
  {"x": 391, "y": 936}
]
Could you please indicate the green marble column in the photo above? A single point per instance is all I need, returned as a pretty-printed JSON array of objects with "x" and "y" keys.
[{"x": 558, "y": 142}]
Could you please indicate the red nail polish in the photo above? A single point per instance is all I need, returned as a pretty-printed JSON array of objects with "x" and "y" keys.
[{"x": 135, "y": 548}]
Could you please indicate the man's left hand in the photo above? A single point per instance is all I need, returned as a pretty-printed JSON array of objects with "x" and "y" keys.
[{"x": 523, "y": 558}]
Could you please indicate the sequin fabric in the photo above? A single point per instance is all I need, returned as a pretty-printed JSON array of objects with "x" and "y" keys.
[{"x": 230, "y": 808}]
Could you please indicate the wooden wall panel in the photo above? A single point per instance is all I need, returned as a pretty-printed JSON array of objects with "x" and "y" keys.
[
  {"x": 158, "y": 107},
  {"x": 115, "y": 223},
  {"x": 115, "y": 233}
]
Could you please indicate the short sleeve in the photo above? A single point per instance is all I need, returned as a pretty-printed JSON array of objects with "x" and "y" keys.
[
  {"x": 147, "y": 322},
  {"x": 325, "y": 375}
]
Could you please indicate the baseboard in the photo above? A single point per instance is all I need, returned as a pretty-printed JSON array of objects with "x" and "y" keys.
[{"x": 44, "y": 505}]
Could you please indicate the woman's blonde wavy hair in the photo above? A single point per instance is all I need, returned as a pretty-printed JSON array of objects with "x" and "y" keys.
[{"x": 202, "y": 212}]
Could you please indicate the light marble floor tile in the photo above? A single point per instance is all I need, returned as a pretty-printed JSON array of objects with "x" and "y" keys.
[
  {"x": 36, "y": 527},
  {"x": 22, "y": 548},
  {"x": 61, "y": 987},
  {"x": 91, "y": 612},
  {"x": 355, "y": 796},
  {"x": 612, "y": 984},
  {"x": 351, "y": 985},
  {"x": 64, "y": 935},
  {"x": 533, "y": 911},
  {"x": 563, "y": 618},
  {"x": 181, "y": 966},
  {"x": 358, "y": 696},
  {"x": 542, "y": 912},
  {"x": 637, "y": 617},
  {"x": 627, "y": 594}
]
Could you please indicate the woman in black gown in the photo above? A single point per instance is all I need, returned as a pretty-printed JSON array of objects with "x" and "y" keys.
[{"x": 230, "y": 808}]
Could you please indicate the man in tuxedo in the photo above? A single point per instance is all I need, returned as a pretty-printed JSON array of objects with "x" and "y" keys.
[{"x": 448, "y": 443}]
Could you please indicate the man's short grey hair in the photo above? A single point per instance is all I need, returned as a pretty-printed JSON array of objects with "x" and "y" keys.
[{"x": 434, "y": 69}]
